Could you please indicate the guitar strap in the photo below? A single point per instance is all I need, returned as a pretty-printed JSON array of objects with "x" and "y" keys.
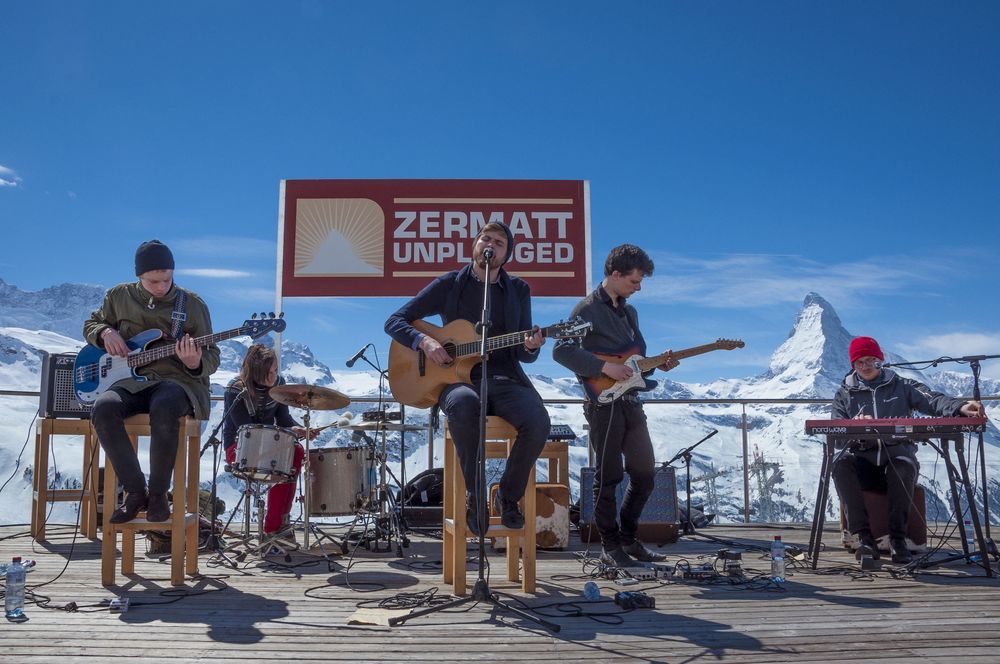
[{"x": 179, "y": 314}]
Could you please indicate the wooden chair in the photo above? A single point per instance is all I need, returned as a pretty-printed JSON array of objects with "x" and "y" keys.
[
  {"x": 41, "y": 494},
  {"x": 500, "y": 436},
  {"x": 183, "y": 522}
]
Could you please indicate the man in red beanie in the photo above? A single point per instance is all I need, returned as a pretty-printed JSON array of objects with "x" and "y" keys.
[{"x": 868, "y": 392}]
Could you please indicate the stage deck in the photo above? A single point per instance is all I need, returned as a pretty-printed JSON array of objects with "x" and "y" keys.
[{"x": 272, "y": 613}]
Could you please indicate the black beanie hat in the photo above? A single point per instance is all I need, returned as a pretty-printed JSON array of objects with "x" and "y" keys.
[
  {"x": 153, "y": 255},
  {"x": 510, "y": 237}
]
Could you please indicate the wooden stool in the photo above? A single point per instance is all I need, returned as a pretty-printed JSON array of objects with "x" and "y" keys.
[
  {"x": 500, "y": 436},
  {"x": 557, "y": 453},
  {"x": 183, "y": 523},
  {"x": 41, "y": 493}
]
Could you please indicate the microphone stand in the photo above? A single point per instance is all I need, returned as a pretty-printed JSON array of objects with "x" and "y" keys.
[
  {"x": 481, "y": 591},
  {"x": 985, "y": 541},
  {"x": 215, "y": 543},
  {"x": 686, "y": 455}
]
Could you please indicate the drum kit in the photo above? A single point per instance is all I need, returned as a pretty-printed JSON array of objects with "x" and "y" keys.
[{"x": 338, "y": 481}]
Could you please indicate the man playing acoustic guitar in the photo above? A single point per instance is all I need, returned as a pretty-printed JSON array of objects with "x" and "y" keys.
[
  {"x": 459, "y": 295},
  {"x": 175, "y": 385},
  {"x": 617, "y": 428}
]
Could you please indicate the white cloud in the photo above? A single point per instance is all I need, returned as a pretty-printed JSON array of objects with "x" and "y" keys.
[
  {"x": 213, "y": 273},
  {"x": 8, "y": 177},
  {"x": 746, "y": 281}
]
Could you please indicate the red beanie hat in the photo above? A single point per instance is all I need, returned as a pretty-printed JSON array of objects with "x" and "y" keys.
[{"x": 864, "y": 347}]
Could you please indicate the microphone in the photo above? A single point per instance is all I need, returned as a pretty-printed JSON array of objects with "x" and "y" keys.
[
  {"x": 488, "y": 253},
  {"x": 357, "y": 356}
]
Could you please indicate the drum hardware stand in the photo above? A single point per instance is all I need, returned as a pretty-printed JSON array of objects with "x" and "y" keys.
[
  {"x": 481, "y": 592},
  {"x": 387, "y": 517}
]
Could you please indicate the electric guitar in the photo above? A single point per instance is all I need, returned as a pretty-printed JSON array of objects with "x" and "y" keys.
[
  {"x": 95, "y": 370},
  {"x": 418, "y": 382},
  {"x": 604, "y": 389}
]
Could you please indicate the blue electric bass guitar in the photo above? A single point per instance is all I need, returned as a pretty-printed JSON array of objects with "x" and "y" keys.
[{"x": 95, "y": 370}]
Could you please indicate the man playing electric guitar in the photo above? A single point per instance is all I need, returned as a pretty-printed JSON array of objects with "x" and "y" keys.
[
  {"x": 175, "y": 385},
  {"x": 459, "y": 295},
  {"x": 617, "y": 428}
]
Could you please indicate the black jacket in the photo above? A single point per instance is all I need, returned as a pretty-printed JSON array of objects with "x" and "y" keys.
[{"x": 891, "y": 396}]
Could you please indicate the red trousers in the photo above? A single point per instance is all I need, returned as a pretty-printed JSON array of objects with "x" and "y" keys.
[{"x": 280, "y": 496}]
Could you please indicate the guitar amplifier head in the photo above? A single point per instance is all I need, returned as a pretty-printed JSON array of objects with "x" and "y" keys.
[{"x": 57, "y": 396}]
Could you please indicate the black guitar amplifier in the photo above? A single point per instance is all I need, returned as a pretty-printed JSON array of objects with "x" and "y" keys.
[
  {"x": 658, "y": 522},
  {"x": 58, "y": 398}
]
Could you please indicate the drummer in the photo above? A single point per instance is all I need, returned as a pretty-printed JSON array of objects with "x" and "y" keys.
[{"x": 248, "y": 402}]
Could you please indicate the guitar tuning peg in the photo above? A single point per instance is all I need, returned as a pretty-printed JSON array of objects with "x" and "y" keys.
[
  {"x": 281, "y": 314},
  {"x": 271, "y": 314},
  {"x": 253, "y": 316}
]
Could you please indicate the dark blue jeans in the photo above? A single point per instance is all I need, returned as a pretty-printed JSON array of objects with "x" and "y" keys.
[
  {"x": 165, "y": 402},
  {"x": 506, "y": 398},
  {"x": 618, "y": 430}
]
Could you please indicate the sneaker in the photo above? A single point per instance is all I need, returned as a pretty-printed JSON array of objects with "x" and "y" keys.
[
  {"x": 900, "y": 552},
  {"x": 473, "y": 507},
  {"x": 867, "y": 547},
  {"x": 134, "y": 503},
  {"x": 159, "y": 508},
  {"x": 616, "y": 557},
  {"x": 639, "y": 551}
]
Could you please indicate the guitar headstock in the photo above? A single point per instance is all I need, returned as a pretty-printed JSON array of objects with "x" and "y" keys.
[
  {"x": 573, "y": 328},
  {"x": 729, "y": 344},
  {"x": 257, "y": 327}
]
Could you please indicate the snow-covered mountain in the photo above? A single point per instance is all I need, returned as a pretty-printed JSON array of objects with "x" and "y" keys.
[{"x": 783, "y": 463}]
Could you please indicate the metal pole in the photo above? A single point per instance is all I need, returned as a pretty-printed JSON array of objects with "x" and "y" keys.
[{"x": 746, "y": 467}]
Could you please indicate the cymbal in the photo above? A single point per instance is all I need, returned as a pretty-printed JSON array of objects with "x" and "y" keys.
[
  {"x": 313, "y": 397},
  {"x": 387, "y": 426}
]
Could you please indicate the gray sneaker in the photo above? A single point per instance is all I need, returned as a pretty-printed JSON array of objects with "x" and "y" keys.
[{"x": 617, "y": 557}]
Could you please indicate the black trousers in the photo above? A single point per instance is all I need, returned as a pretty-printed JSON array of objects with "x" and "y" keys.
[
  {"x": 894, "y": 468},
  {"x": 506, "y": 398},
  {"x": 165, "y": 402},
  {"x": 618, "y": 430}
]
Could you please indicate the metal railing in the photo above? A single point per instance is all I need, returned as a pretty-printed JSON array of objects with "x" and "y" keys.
[{"x": 744, "y": 423}]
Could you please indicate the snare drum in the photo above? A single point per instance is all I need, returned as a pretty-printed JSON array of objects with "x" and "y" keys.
[
  {"x": 340, "y": 480},
  {"x": 264, "y": 453}
]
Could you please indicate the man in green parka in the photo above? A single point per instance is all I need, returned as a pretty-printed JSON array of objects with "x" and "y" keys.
[{"x": 174, "y": 386}]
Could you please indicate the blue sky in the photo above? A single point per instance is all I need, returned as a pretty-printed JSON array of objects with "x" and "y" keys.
[{"x": 758, "y": 150}]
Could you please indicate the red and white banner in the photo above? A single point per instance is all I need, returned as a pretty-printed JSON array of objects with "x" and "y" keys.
[{"x": 391, "y": 237}]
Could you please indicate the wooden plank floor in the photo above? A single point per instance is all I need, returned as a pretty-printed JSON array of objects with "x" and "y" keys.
[{"x": 266, "y": 613}]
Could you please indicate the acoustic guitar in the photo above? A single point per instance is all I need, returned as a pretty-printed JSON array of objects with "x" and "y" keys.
[
  {"x": 604, "y": 389},
  {"x": 418, "y": 381}
]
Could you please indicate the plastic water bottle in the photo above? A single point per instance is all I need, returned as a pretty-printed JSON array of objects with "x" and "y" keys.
[
  {"x": 14, "y": 590},
  {"x": 778, "y": 559},
  {"x": 591, "y": 591},
  {"x": 971, "y": 545}
]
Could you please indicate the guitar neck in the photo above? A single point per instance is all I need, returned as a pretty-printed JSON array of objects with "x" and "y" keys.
[
  {"x": 145, "y": 357},
  {"x": 495, "y": 343},
  {"x": 647, "y": 363}
]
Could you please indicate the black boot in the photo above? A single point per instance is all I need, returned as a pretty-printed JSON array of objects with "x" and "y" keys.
[
  {"x": 900, "y": 552},
  {"x": 867, "y": 547},
  {"x": 159, "y": 508},
  {"x": 473, "y": 509},
  {"x": 135, "y": 502}
]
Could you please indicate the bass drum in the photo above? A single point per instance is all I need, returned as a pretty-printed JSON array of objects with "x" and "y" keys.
[
  {"x": 264, "y": 453},
  {"x": 340, "y": 480}
]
